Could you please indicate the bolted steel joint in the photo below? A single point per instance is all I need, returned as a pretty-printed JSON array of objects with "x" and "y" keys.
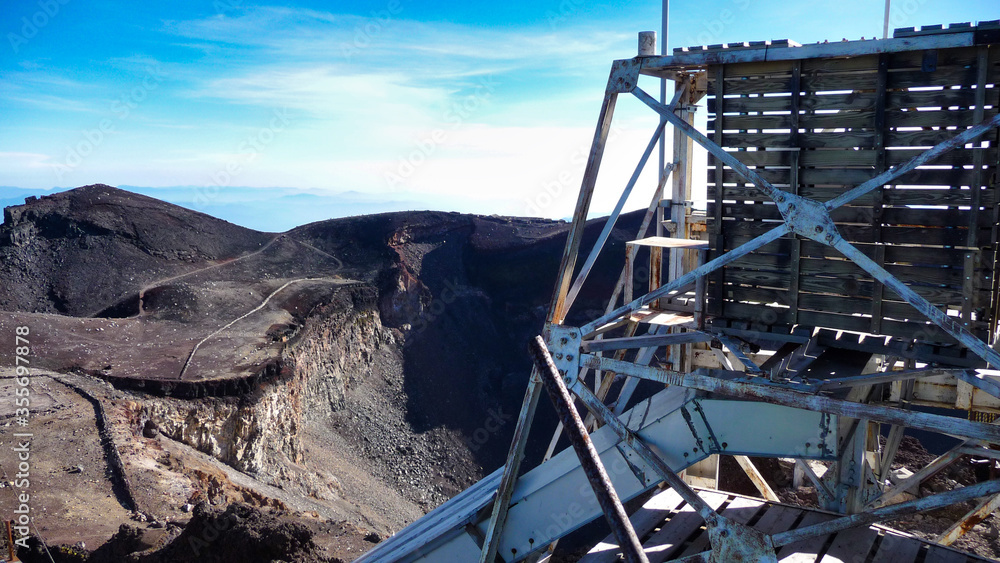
[
  {"x": 807, "y": 218},
  {"x": 564, "y": 344}
]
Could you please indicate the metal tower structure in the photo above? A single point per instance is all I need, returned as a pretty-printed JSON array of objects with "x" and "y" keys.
[{"x": 853, "y": 212}]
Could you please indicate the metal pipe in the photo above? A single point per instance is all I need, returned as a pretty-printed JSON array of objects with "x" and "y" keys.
[
  {"x": 663, "y": 99},
  {"x": 647, "y": 46},
  {"x": 614, "y": 512},
  {"x": 885, "y": 21}
]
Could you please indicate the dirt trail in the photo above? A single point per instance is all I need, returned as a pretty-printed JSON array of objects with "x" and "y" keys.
[
  {"x": 159, "y": 282},
  {"x": 251, "y": 312}
]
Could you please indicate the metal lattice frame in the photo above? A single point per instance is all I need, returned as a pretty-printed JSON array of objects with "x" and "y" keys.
[{"x": 576, "y": 350}]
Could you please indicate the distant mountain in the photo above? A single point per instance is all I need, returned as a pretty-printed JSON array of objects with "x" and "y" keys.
[
  {"x": 274, "y": 209},
  {"x": 279, "y": 209}
]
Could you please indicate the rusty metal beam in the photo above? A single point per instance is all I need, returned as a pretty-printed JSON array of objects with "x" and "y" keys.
[
  {"x": 821, "y": 489},
  {"x": 614, "y": 512},
  {"x": 883, "y": 377},
  {"x": 765, "y": 490},
  {"x": 888, "y": 513},
  {"x": 512, "y": 468},
  {"x": 733, "y": 384},
  {"x": 939, "y": 463},
  {"x": 976, "y": 515},
  {"x": 609, "y": 224},
  {"x": 557, "y": 311},
  {"x": 645, "y": 341},
  {"x": 935, "y": 315}
]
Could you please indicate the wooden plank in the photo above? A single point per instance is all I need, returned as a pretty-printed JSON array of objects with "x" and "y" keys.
[
  {"x": 961, "y": 56},
  {"x": 852, "y": 64},
  {"x": 807, "y": 549},
  {"x": 839, "y": 81},
  {"x": 809, "y": 121},
  {"x": 897, "y": 549},
  {"x": 978, "y": 180},
  {"x": 718, "y": 276},
  {"x": 927, "y": 236},
  {"x": 851, "y": 177},
  {"x": 906, "y": 330},
  {"x": 878, "y": 195},
  {"x": 851, "y": 545},
  {"x": 668, "y": 242},
  {"x": 852, "y": 157},
  {"x": 940, "y": 118},
  {"x": 943, "y": 98},
  {"x": 854, "y": 119},
  {"x": 836, "y": 49},
  {"x": 894, "y": 196},
  {"x": 654, "y": 511},
  {"x": 952, "y": 216},
  {"x": 644, "y": 521},
  {"x": 836, "y": 304},
  {"x": 957, "y": 157},
  {"x": 926, "y": 138},
  {"x": 912, "y": 255},
  {"x": 742, "y": 70},
  {"x": 863, "y": 139},
  {"x": 858, "y": 301},
  {"x": 768, "y": 84},
  {"x": 777, "y": 518},
  {"x": 807, "y": 140},
  {"x": 662, "y": 544},
  {"x": 812, "y": 102},
  {"x": 895, "y": 100},
  {"x": 856, "y": 304},
  {"x": 845, "y": 286},
  {"x": 942, "y": 76},
  {"x": 795, "y": 186},
  {"x": 909, "y": 274}
]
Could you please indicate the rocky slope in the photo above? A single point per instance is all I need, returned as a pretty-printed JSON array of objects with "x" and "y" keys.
[{"x": 367, "y": 367}]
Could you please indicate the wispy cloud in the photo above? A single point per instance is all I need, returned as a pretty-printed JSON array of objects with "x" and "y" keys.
[{"x": 25, "y": 159}]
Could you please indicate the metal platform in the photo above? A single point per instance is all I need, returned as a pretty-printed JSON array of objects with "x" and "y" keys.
[{"x": 671, "y": 529}]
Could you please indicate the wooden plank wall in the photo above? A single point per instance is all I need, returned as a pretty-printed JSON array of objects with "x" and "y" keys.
[{"x": 818, "y": 127}]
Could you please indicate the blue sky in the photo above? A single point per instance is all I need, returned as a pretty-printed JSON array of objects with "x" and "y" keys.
[{"x": 468, "y": 106}]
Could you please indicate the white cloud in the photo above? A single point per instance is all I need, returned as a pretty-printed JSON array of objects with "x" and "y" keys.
[{"x": 24, "y": 160}]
